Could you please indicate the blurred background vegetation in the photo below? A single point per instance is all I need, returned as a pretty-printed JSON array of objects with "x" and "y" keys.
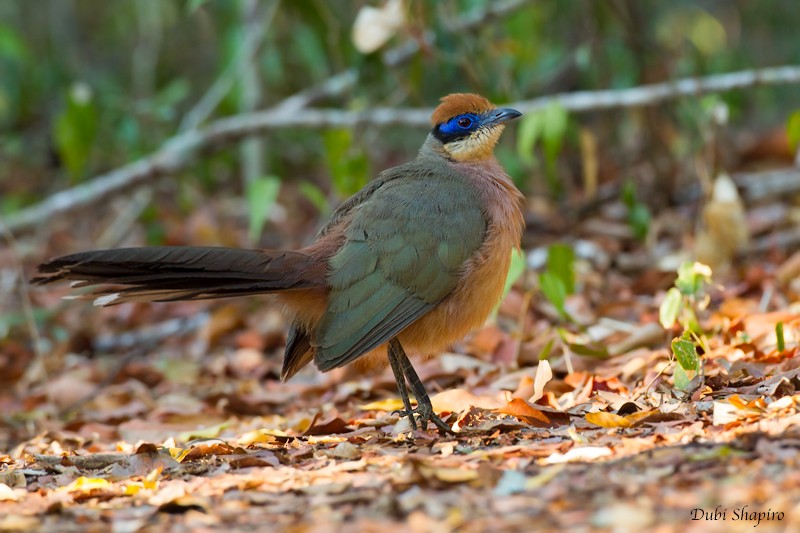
[
  {"x": 100, "y": 93},
  {"x": 87, "y": 86}
]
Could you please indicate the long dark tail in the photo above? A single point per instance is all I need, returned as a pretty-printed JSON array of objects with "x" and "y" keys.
[{"x": 167, "y": 273}]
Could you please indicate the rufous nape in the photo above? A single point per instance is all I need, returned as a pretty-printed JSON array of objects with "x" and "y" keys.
[{"x": 412, "y": 263}]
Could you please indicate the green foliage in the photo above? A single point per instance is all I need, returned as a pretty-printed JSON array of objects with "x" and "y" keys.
[
  {"x": 639, "y": 216},
  {"x": 315, "y": 195},
  {"x": 685, "y": 352},
  {"x": 684, "y": 348},
  {"x": 75, "y": 130},
  {"x": 515, "y": 270},
  {"x": 261, "y": 195},
  {"x": 548, "y": 128},
  {"x": 14, "y": 55},
  {"x": 558, "y": 280},
  {"x": 555, "y": 292},
  {"x": 581, "y": 344},
  {"x": 561, "y": 263},
  {"x": 793, "y": 129},
  {"x": 693, "y": 278},
  {"x": 680, "y": 378},
  {"x": 670, "y": 308},
  {"x": 681, "y": 304},
  {"x": 348, "y": 165},
  {"x": 682, "y": 301},
  {"x": 779, "y": 337}
]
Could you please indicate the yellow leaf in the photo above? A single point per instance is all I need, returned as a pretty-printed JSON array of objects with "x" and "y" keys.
[
  {"x": 608, "y": 420},
  {"x": 641, "y": 416},
  {"x": 210, "y": 432},
  {"x": 449, "y": 474},
  {"x": 261, "y": 436},
  {"x": 544, "y": 477},
  {"x": 389, "y": 404},
  {"x": 151, "y": 481},
  {"x": 85, "y": 484}
]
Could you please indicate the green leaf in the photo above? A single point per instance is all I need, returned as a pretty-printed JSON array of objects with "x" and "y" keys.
[
  {"x": 75, "y": 130},
  {"x": 545, "y": 353},
  {"x": 670, "y": 307},
  {"x": 692, "y": 277},
  {"x": 515, "y": 270},
  {"x": 686, "y": 352},
  {"x": 349, "y": 167},
  {"x": 555, "y": 121},
  {"x": 314, "y": 195},
  {"x": 529, "y": 131},
  {"x": 629, "y": 194},
  {"x": 561, "y": 263},
  {"x": 554, "y": 128},
  {"x": 554, "y": 290},
  {"x": 680, "y": 378},
  {"x": 779, "y": 336},
  {"x": 588, "y": 350},
  {"x": 639, "y": 218},
  {"x": 793, "y": 129},
  {"x": 13, "y": 45},
  {"x": 261, "y": 195},
  {"x": 638, "y": 213}
]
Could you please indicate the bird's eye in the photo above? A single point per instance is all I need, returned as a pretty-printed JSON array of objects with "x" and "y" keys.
[{"x": 465, "y": 122}]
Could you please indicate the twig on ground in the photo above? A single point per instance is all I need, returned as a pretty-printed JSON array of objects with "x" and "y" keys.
[
  {"x": 780, "y": 183},
  {"x": 138, "y": 342}
]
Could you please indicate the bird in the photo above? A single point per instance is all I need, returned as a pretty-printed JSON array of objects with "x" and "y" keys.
[{"x": 412, "y": 262}]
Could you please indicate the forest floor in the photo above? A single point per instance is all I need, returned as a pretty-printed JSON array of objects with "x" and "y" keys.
[{"x": 172, "y": 418}]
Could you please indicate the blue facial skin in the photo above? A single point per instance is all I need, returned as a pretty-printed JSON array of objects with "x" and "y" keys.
[
  {"x": 463, "y": 125},
  {"x": 460, "y": 126}
]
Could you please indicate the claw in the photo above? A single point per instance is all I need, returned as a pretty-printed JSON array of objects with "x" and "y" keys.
[
  {"x": 404, "y": 372},
  {"x": 425, "y": 414}
]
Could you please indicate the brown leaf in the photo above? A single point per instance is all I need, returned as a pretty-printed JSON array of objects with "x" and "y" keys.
[
  {"x": 525, "y": 412},
  {"x": 205, "y": 450},
  {"x": 328, "y": 427}
]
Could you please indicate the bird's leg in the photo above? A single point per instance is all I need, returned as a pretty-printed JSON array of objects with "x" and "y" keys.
[
  {"x": 400, "y": 378},
  {"x": 424, "y": 409}
]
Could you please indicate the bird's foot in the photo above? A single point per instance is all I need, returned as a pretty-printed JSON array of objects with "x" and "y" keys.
[{"x": 425, "y": 414}]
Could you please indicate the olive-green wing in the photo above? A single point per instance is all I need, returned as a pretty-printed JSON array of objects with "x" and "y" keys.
[{"x": 403, "y": 254}]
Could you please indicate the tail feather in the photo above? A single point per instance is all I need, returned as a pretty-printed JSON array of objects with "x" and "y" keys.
[{"x": 165, "y": 273}]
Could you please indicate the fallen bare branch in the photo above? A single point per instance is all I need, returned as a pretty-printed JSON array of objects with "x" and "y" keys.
[
  {"x": 777, "y": 183},
  {"x": 180, "y": 150}
]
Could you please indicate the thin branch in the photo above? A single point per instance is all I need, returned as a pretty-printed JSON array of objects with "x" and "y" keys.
[
  {"x": 776, "y": 183},
  {"x": 182, "y": 149},
  {"x": 251, "y": 151},
  {"x": 178, "y": 151},
  {"x": 648, "y": 95}
]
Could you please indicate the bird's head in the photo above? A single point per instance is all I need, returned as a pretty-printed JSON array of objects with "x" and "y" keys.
[{"x": 468, "y": 126}]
